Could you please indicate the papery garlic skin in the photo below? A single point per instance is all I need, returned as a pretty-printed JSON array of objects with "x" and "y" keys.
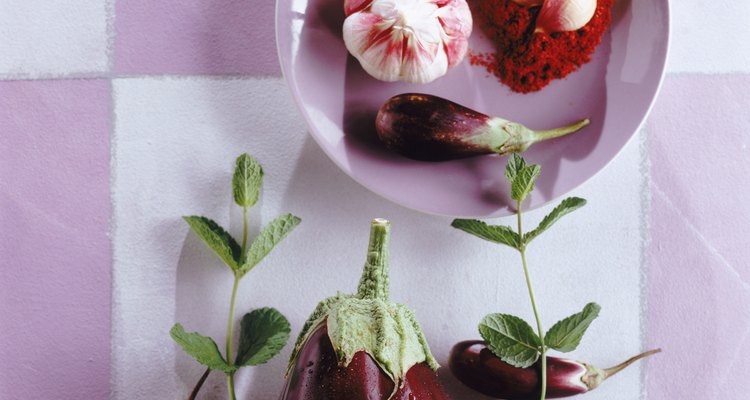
[
  {"x": 415, "y": 41},
  {"x": 564, "y": 15}
]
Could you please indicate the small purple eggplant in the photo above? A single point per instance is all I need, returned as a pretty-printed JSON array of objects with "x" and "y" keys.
[
  {"x": 429, "y": 128},
  {"x": 474, "y": 364}
]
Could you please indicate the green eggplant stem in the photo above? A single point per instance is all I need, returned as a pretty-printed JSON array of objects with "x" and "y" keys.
[
  {"x": 374, "y": 281},
  {"x": 617, "y": 368},
  {"x": 562, "y": 131},
  {"x": 521, "y": 138}
]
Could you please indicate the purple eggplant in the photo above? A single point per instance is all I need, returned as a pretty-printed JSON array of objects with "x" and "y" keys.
[
  {"x": 429, "y": 128},
  {"x": 474, "y": 364}
]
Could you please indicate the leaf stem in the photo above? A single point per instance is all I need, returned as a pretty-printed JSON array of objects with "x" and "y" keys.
[
  {"x": 230, "y": 321},
  {"x": 198, "y": 385},
  {"x": 244, "y": 235},
  {"x": 230, "y": 334},
  {"x": 522, "y": 250},
  {"x": 230, "y": 384}
]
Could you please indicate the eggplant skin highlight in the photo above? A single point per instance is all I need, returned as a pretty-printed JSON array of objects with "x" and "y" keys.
[{"x": 430, "y": 128}]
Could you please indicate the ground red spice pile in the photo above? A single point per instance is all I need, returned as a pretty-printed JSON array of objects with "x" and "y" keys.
[{"x": 528, "y": 61}]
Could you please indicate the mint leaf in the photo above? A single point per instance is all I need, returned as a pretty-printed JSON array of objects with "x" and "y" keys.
[
  {"x": 203, "y": 349},
  {"x": 493, "y": 233},
  {"x": 523, "y": 182},
  {"x": 263, "y": 333},
  {"x": 246, "y": 182},
  {"x": 511, "y": 339},
  {"x": 515, "y": 164},
  {"x": 567, "y": 206},
  {"x": 271, "y": 235},
  {"x": 566, "y": 334},
  {"x": 219, "y": 240}
]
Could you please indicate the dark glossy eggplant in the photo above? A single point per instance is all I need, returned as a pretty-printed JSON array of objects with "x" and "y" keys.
[
  {"x": 318, "y": 375},
  {"x": 474, "y": 364},
  {"x": 363, "y": 347},
  {"x": 429, "y": 128}
]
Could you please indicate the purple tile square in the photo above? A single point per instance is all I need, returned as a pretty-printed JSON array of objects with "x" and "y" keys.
[
  {"x": 55, "y": 253},
  {"x": 699, "y": 141},
  {"x": 195, "y": 37},
  {"x": 699, "y": 295},
  {"x": 698, "y": 314}
]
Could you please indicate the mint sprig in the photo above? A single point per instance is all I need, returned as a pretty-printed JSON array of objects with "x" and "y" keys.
[
  {"x": 491, "y": 233},
  {"x": 566, "y": 207},
  {"x": 268, "y": 238},
  {"x": 219, "y": 240},
  {"x": 263, "y": 334},
  {"x": 510, "y": 338},
  {"x": 202, "y": 348},
  {"x": 264, "y": 331},
  {"x": 523, "y": 182},
  {"x": 246, "y": 181},
  {"x": 566, "y": 334}
]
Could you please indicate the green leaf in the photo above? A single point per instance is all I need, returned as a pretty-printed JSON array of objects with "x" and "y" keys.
[
  {"x": 566, "y": 334},
  {"x": 515, "y": 164},
  {"x": 567, "y": 206},
  {"x": 219, "y": 240},
  {"x": 493, "y": 233},
  {"x": 246, "y": 182},
  {"x": 203, "y": 349},
  {"x": 271, "y": 235},
  {"x": 264, "y": 332},
  {"x": 523, "y": 183},
  {"x": 511, "y": 339}
]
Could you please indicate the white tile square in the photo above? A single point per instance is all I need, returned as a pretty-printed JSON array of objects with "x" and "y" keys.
[
  {"x": 710, "y": 36},
  {"x": 42, "y": 37},
  {"x": 174, "y": 147}
]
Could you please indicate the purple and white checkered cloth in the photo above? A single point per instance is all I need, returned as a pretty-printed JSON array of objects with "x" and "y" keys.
[{"x": 117, "y": 117}]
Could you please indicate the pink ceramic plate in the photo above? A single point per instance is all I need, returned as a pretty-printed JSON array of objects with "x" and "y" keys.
[{"x": 339, "y": 101}]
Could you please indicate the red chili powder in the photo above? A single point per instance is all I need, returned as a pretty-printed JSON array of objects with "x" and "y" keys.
[{"x": 528, "y": 61}]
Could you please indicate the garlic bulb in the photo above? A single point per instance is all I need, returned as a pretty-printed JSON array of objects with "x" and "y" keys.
[
  {"x": 415, "y": 41},
  {"x": 564, "y": 15}
]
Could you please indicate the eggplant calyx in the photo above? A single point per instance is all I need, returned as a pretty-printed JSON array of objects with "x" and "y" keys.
[
  {"x": 314, "y": 321},
  {"x": 388, "y": 332},
  {"x": 368, "y": 322},
  {"x": 593, "y": 377},
  {"x": 491, "y": 136}
]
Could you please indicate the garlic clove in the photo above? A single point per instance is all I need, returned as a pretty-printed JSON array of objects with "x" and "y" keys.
[
  {"x": 564, "y": 15},
  {"x": 455, "y": 18},
  {"x": 377, "y": 47},
  {"x": 423, "y": 63}
]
